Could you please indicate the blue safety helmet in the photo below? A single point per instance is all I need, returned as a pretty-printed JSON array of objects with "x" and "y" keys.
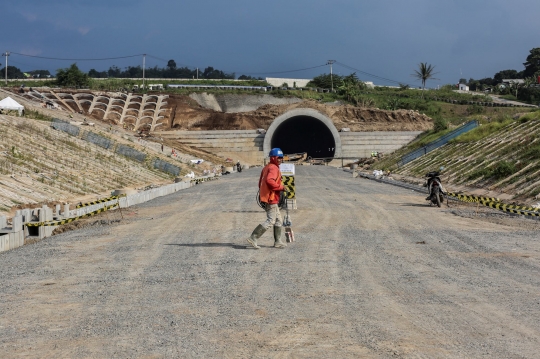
[{"x": 276, "y": 152}]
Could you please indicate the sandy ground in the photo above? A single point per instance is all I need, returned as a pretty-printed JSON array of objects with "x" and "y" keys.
[{"x": 374, "y": 272}]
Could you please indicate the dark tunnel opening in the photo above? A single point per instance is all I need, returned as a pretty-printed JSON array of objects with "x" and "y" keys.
[{"x": 304, "y": 134}]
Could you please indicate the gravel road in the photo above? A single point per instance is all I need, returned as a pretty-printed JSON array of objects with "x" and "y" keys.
[{"x": 374, "y": 273}]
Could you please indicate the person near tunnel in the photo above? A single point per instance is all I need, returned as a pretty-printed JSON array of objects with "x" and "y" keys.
[{"x": 270, "y": 188}]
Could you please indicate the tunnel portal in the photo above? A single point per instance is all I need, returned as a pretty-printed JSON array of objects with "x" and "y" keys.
[
  {"x": 304, "y": 134},
  {"x": 303, "y": 130}
]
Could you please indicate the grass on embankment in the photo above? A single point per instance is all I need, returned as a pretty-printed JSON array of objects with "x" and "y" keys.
[{"x": 500, "y": 155}]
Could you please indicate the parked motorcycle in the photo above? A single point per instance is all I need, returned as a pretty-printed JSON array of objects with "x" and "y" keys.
[{"x": 435, "y": 188}]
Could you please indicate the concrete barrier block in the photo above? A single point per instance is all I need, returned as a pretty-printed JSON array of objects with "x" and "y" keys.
[
  {"x": 11, "y": 241},
  {"x": 3, "y": 221},
  {"x": 2, "y": 242},
  {"x": 17, "y": 222},
  {"x": 16, "y": 240},
  {"x": 27, "y": 215},
  {"x": 41, "y": 231},
  {"x": 47, "y": 213},
  {"x": 20, "y": 237}
]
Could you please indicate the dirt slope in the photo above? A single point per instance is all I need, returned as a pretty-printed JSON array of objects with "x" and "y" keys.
[{"x": 186, "y": 114}]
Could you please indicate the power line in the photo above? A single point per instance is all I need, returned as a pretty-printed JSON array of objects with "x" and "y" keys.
[
  {"x": 167, "y": 61},
  {"x": 283, "y": 72},
  {"x": 372, "y": 75},
  {"x": 21, "y": 63},
  {"x": 157, "y": 58},
  {"x": 194, "y": 67},
  {"x": 248, "y": 73},
  {"x": 160, "y": 59},
  {"x": 63, "y": 59}
]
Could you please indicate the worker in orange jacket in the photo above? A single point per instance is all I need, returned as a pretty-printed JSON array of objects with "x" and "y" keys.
[{"x": 270, "y": 187}]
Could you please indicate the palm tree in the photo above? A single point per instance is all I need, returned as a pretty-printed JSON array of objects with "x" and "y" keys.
[{"x": 424, "y": 73}]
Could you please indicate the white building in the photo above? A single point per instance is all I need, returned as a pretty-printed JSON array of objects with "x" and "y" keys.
[
  {"x": 463, "y": 87},
  {"x": 278, "y": 82}
]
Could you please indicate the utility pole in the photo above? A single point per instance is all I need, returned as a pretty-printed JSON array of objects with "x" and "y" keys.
[
  {"x": 143, "y": 68},
  {"x": 330, "y": 62},
  {"x": 6, "y": 54},
  {"x": 197, "y": 73}
]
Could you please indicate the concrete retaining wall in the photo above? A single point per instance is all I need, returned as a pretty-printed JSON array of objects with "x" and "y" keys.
[
  {"x": 14, "y": 236},
  {"x": 247, "y": 146},
  {"x": 11, "y": 237},
  {"x": 362, "y": 144}
]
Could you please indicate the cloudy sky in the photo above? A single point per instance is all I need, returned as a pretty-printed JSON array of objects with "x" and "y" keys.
[{"x": 385, "y": 38}]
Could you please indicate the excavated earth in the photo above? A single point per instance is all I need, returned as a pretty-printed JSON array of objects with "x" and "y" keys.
[
  {"x": 187, "y": 114},
  {"x": 204, "y": 112}
]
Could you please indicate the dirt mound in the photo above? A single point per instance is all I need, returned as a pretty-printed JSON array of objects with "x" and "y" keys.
[{"x": 186, "y": 114}]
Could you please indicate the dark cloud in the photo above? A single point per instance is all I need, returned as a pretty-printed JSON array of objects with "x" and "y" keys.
[{"x": 387, "y": 38}]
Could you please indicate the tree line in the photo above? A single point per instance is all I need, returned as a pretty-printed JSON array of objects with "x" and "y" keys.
[
  {"x": 16, "y": 73},
  {"x": 170, "y": 71},
  {"x": 529, "y": 74}
]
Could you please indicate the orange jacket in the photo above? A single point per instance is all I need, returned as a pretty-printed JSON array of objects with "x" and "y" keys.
[{"x": 270, "y": 184}]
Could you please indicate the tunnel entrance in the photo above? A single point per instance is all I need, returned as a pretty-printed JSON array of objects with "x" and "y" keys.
[
  {"x": 304, "y": 134},
  {"x": 303, "y": 130}
]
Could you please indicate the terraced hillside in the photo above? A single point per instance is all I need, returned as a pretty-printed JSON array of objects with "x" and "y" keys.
[
  {"x": 41, "y": 164},
  {"x": 500, "y": 158}
]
